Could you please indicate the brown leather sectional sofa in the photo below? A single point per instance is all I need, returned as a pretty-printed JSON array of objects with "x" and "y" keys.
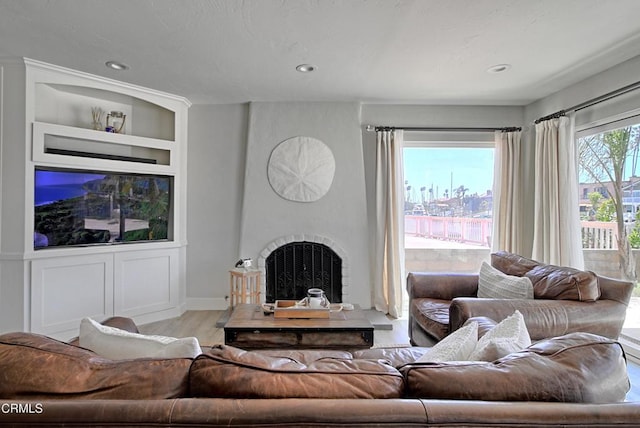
[
  {"x": 576, "y": 380},
  {"x": 565, "y": 300}
]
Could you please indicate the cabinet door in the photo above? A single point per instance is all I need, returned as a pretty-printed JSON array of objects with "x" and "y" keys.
[
  {"x": 66, "y": 289},
  {"x": 146, "y": 282}
]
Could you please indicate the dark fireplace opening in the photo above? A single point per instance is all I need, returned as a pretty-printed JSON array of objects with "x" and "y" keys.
[{"x": 293, "y": 268}]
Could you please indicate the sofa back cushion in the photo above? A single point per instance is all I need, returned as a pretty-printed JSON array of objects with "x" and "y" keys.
[
  {"x": 229, "y": 372},
  {"x": 38, "y": 367},
  {"x": 578, "y": 367},
  {"x": 397, "y": 356},
  {"x": 305, "y": 356},
  {"x": 564, "y": 283},
  {"x": 549, "y": 281},
  {"x": 512, "y": 264}
]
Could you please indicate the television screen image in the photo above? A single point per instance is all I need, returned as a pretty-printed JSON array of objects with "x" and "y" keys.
[{"x": 76, "y": 207}]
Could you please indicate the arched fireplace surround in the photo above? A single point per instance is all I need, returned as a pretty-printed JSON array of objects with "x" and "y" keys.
[{"x": 292, "y": 265}]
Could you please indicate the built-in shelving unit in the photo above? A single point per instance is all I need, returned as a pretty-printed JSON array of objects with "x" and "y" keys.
[
  {"x": 70, "y": 104},
  {"x": 51, "y": 290},
  {"x": 61, "y": 144}
]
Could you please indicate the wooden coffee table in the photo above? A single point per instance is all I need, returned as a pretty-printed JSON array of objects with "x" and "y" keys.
[{"x": 249, "y": 328}]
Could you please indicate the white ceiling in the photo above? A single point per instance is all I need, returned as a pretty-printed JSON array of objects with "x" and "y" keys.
[{"x": 375, "y": 51}]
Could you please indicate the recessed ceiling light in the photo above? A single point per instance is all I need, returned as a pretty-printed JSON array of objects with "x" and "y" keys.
[
  {"x": 305, "y": 68},
  {"x": 499, "y": 68},
  {"x": 115, "y": 65}
]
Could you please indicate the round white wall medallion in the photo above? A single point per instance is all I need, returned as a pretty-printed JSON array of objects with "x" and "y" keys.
[{"x": 301, "y": 169}]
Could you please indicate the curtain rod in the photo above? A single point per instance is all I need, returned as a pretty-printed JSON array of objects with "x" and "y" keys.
[
  {"x": 592, "y": 102},
  {"x": 405, "y": 128}
]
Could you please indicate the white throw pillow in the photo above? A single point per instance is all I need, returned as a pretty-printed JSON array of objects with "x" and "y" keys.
[
  {"x": 117, "y": 344},
  {"x": 494, "y": 284},
  {"x": 508, "y": 336},
  {"x": 455, "y": 347}
]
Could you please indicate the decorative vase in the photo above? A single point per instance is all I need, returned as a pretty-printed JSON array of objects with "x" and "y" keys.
[{"x": 96, "y": 116}]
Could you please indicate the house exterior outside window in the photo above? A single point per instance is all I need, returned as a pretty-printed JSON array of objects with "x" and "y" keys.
[{"x": 608, "y": 162}]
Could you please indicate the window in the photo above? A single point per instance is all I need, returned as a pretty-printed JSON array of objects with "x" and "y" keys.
[
  {"x": 608, "y": 163},
  {"x": 608, "y": 157},
  {"x": 448, "y": 205}
]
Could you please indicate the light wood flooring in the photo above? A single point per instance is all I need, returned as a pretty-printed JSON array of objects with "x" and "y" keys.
[{"x": 202, "y": 324}]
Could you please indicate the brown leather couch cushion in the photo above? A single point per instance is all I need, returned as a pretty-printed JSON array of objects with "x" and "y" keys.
[
  {"x": 485, "y": 324},
  {"x": 225, "y": 371},
  {"x": 549, "y": 281},
  {"x": 38, "y": 367},
  {"x": 306, "y": 356},
  {"x": 512, "y": 264},
  {"x": 432, "y": 315},
  {"x": 578, "y": 367},
  {"x": 396, "y": 356},
  {"x": 563, "y": 283}
]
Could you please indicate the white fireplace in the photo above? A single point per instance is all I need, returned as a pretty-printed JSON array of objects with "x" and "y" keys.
[{"x": 297, "y": 276}]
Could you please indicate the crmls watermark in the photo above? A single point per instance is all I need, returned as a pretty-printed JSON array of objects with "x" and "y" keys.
[{"x": 22, "y": 408}]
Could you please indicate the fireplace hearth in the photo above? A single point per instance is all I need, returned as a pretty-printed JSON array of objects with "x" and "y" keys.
[{"x": 293, "y": 268}]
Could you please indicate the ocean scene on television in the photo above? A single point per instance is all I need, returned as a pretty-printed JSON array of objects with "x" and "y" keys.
[{"x": 74, "y": 207}]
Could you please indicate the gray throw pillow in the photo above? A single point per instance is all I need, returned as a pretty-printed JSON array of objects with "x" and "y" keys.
[{"x": 494, "y": 284}]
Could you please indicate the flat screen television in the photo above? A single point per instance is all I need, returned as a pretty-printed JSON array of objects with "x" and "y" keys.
[{"x": 82, "y": 207}]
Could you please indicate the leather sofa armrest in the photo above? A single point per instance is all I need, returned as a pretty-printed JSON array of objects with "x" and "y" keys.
[
  {"x": 444, "y": 286},
  {"x": 544, "y": 318},
  {"x": 615, "y": 289}
]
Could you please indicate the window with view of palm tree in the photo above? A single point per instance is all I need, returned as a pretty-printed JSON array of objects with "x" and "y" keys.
[{"x": 609, "y": 159}]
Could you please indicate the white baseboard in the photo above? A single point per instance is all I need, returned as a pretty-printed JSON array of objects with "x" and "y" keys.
[
  {"x": 206, "y": 304},
  {"x": 156, "y": 316}
]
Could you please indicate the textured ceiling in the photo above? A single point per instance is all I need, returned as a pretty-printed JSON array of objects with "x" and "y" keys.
[{"x": 402, "y": 51}]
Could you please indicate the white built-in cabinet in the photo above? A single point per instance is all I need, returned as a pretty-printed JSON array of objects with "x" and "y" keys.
[{"x": 46, "y": 121}]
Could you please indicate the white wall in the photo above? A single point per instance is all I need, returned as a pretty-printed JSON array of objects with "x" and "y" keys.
[
  {"x": 609, "y": 80},
  {"x": 12, "y": 164},
  {"x": 340, "y": 215},
  {"x": 234, "y": 214},
  {"x": 13, "y": 317},
  {"x": 215, "y": 181}
]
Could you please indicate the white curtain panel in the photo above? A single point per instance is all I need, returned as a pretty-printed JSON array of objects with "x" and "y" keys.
[
  {"x": 388, "y": 266},
  {"x": 557, "y": 235},
  {"x": 507, "y": 230}
]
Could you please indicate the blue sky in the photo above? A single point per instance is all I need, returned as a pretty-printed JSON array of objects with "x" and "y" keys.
[
  {"x": 471, "y": 167},
  {"x": 53, "y": 178}
]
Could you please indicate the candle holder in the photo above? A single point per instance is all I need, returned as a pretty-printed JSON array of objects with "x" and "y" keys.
[{"x": 115, "y": 122}]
